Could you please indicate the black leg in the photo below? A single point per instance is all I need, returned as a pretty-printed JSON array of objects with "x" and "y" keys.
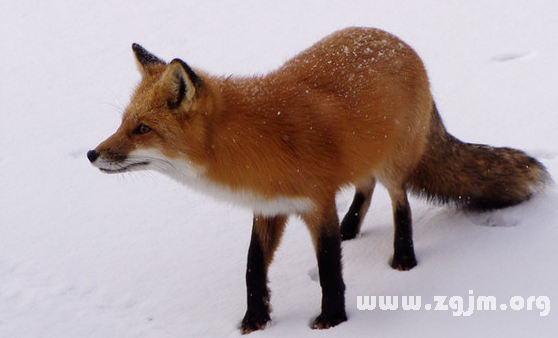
[
  {"x": 331, "y": 280},
  {"x": 266, "y": 233},
  {"x": 351, "y": 223},
  {"x": 257, "y": 314},
  {"x": 324, "y": 228},
  {"x": 404, "y": 253}
]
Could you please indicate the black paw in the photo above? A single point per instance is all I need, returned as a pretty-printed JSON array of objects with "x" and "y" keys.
[
  {"x": 325, "y": 321},
  {"x": 404, "y": 263},
  {"x": 347, "y": 234},
  {"x": 349, "y": 227},
  {"x": 254, "y": 321}
]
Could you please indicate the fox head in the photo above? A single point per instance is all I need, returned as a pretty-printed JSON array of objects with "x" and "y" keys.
[{"x": 165, "y": 120}]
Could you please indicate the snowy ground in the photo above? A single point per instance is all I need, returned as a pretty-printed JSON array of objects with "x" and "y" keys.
[{"x": 84, "y": 254}]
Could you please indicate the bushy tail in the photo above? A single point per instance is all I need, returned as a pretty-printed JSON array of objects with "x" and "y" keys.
[{"x": 473, "y": 176}]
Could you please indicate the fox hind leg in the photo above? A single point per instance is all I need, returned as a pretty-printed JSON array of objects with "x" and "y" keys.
[
  {"x": 404, "y": 254},
  {"x": 351, "y": 223}
]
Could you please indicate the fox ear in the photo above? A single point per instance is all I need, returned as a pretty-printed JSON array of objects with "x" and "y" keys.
[
  {"x": 182, "y": 82},
  {"x": 145, "y": 59}
]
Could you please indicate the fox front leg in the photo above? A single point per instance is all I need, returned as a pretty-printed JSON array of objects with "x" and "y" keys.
[{"x": 266, "y": 234}]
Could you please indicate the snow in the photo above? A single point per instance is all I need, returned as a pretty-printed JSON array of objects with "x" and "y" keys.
[{"x": 83, "y": 254}]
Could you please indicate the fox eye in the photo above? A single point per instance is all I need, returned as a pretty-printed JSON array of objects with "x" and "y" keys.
[{"x": 141, "y": 129}]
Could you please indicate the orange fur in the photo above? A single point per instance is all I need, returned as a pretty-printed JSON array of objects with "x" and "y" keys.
[{"x": 353, "y": 106}]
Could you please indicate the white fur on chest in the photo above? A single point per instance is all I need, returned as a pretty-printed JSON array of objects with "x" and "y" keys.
[{"x": 186, "y": 173}]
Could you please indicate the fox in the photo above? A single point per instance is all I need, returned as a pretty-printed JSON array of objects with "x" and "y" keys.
[{"x": 352, "y": 110}]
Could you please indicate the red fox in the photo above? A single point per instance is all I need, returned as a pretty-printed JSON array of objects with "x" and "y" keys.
[{"x": 353, "y": 109}]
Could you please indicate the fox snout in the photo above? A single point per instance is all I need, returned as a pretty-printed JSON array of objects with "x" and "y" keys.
[
  {"x": 92, "y": 155},
  {"x": 113, "y": 162}
]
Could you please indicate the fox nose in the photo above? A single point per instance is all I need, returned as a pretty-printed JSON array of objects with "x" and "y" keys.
[{"x": 92, "y": 155}]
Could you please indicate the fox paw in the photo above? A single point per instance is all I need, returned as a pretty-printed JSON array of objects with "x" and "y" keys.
[
  {"x": 403, "y": 263},
  {"x": 325, "y": 321},
  {"x": 347, "y": 234},
  {"x": 254, "y": 321},
  {"x": 349, "y": 227}
]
